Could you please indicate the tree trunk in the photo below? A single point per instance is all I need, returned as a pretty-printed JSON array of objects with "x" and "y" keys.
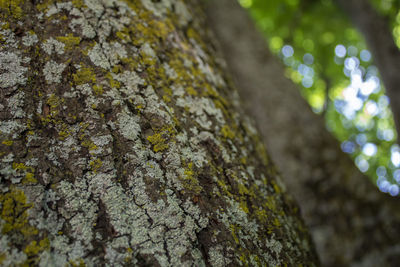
[
  {"x": 123, "y": 143},
  {"x": 350, "y": 221}
]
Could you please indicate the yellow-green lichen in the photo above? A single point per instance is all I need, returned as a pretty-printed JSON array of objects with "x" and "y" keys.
[
  {"x": 7, "y": 142},
  {"x": 98, "y": 89},
  {"x": 89, "y": 144},
  {"x": 113, "y": 83},
  {"x": 64, "y": 133},
  {"x": 14, "y": 212},
  {"x": 226, "y": 190},
  {"x": 277, "y": 223},
  {"x": 160, "y": 139},
  {"x": 227, "y": 132},
  {"x": 33, "y": 248},
  {"x": 234, "y": 229},
  {"x": 189, "y": 180},
  {"x": 78, "y": 3},
  {"x": 95, "y": 164},
  {"x": 277, "y": 189},
  {"x": 77, "y": 263},
  {"x": 270, "y": 203},
  {"x": 12, "y": 8},
  {"x": 29, "y": 178},
  {"x": 191, "y": 91},
  {"x": 3, "y": 256},
  {"x": 69, "y": 40},
  {"x": 243, "y": 206},
  {"x": 44, "y": 5},
  {"x": 84, "y": 75}
]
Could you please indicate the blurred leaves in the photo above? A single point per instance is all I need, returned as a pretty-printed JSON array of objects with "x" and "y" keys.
[{"x": 329, "y": 60}]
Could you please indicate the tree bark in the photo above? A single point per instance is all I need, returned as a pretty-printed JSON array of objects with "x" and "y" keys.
[
  {"x": 386, "y": 54},
  {"x": 350, "y": 221},
  {"x": 123, "y": 143}
]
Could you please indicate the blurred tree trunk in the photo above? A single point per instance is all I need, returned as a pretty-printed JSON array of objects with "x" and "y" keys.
[
  {"x": 122, "y": 143},
  {"x": 350, "y": 221},
  {"x": 386, "y": 54}
]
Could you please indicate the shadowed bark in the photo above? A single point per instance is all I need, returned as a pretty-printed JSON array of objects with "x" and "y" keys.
[
  {"x": 350, "y": 221},
  {"x": 122, "y": 143}
]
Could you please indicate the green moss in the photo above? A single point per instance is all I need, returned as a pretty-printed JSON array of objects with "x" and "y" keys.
[
  {"x": 54, "y": 102},
  {"x": 95, "y": 165},
  {"x": 113, "y": 83},
  {"x": 243, "y": 190},
  {"x": 78, "y": 3},
  {"x": 98, "y": 89},
  {"x": 191, "y": 91},
  {"x": 152, "y": 31},
  {"x": 158, "y": 142},
  {"x": 276, "y": 187},
  {"x": 261, "y": 215},
  {"x": 64, "y": 134},
  {"x": 148, "y": 60},
  {"x": 33, "y": 248},
  {"x": 270, "y": 203},
  {"x": 44, "y": 5},
  {"x": 77, "y": 263},
  {"x": 160, "y": 139},
  {"x": 227, "y": 132},
  {"x": 29, "y": 178},
  {"x": 89, "y": 144},
  {"x": 12, "y": 8},
  {"x": 277, "y": 223},
  {"x": 225, "y": 188},
  {"x": 19, "y": 166},
  {"x": 189, "y": 180},
  {"x": 70, "y": 41},
  {"x": 124, "y": 36},
  {"x": 84, "y": 75},
  {"x": 3, "y": 256},
  {"x": 166, "y": 99},
  {"x": 8, "y": 142},
  {"x": 234, "y": 229},
  {"x": 243, "y": 206},
  {"x": 14, "y": 212}
]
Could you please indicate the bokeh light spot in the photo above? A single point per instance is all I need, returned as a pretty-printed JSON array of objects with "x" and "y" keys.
[
  {"x": 369, "y": 149},
  {"x": 340, "y": 50},
  {"x": 365, "y": 55},
  {"x": 287, "y": 51}
]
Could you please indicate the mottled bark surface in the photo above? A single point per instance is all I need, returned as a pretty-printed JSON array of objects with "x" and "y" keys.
[
  {"x": 378, "y": 34},
  {"x": 350, "y": 221},
  {"x": 122, "y": 143}
]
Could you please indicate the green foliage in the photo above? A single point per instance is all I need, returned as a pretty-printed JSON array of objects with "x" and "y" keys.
[{"x": 329, "y": 59}]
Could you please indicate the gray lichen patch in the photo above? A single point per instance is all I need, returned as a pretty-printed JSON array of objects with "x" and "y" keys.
[
  {"x": 98, "y": 58},
  {"x": 51, "y": 45},
  {"x": 29, "y": 39},
  {"x": 12, "y": 71},
  {"x": 52, "y": 71}
]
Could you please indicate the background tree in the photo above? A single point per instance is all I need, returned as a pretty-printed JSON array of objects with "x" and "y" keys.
[
  {"x": 351, "y": 222},
  {"x": 123, "y": 143}
]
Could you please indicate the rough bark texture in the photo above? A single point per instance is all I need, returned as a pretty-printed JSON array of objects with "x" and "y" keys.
[
  {"x": 350, "y": 221},
  {"x": 122, "y": 143},
  {"x": 386, "y": 54}
]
